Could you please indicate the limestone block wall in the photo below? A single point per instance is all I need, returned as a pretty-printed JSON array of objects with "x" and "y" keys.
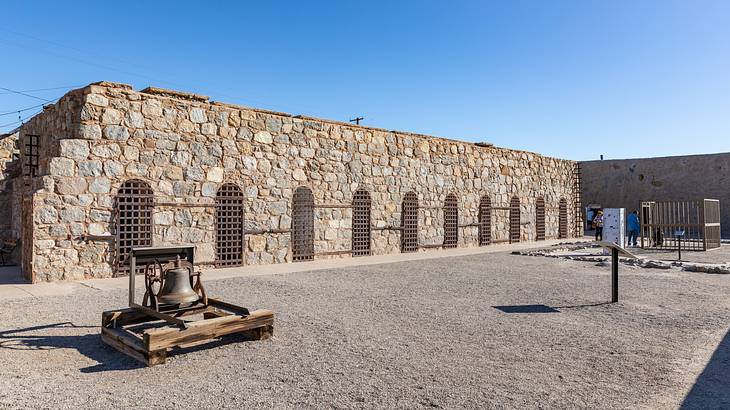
[
  {"x": 9, "y": 169},
  {"x": 186, "y": 147}
]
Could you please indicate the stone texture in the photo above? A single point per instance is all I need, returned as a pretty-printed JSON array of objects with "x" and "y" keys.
[
  {"x": 61, "y": 167},
  {"x": 186, "y": 150},
  {"x": 74, "y": 149}
]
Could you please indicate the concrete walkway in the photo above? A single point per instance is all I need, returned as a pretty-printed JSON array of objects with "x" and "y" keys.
[{"x": 14, "y": 289}]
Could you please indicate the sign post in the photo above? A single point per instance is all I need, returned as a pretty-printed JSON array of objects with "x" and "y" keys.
[
  {"x": 679, "y": 233},
  {"x": 615, "y": 252}
]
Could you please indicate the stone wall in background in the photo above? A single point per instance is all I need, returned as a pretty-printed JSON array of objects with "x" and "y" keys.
[
  {"x": 185, "y": 148},
  {"x": 9, "y": 170},
  {"x": 625, "y": 183}
]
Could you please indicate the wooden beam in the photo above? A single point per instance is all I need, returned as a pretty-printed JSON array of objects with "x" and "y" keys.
[{"x": 206, "y": 329}]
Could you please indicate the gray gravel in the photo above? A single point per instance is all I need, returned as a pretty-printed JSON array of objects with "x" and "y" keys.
[{"x": 404, "y": 335}]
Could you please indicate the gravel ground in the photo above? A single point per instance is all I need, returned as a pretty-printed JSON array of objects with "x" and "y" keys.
[
  {"x": 402, "y": 335},
  {"x": 719, "y": 255}
]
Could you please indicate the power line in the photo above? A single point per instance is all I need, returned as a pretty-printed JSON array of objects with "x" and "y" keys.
[
  {"x": 21, "y": 110},
  {"x": 111, "y": 68},
  {"x": 25, "y": 94},
  {"x": 20, "y": 120},
  {"x": 46, "y": 89}
]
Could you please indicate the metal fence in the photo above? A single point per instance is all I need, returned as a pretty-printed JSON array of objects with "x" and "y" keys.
[{"x": 699, "y": 220}]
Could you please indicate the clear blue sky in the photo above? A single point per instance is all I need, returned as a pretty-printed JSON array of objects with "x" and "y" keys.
[{"x": 571, "y": 79}]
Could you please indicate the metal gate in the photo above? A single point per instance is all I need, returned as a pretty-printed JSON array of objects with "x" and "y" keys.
[
  {"x": 540, "y": 219},
  {"x": 303, "y": 225},
  {"x": 134, "y": 206},
  {"x": 485, "y": 221},
  {"x": 409, "y": 223},
  {"x": 451, "y": 221},
  {"x": 229, "y": 226},
  {"x": 514, "y": 220},
  {"x": 563, "y": 219},
  {"x": 698, "y": 219},
  {"x": 361, "y": 223}
]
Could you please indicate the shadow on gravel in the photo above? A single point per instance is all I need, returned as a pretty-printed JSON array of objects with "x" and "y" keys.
[
  {"x": 582, "y": 306},
  {"x": 526, "y": 309},
  {"x": 89, "y": 345},
  {"x": 712, "y": 388},
  {"x": 543, "y": 308}
]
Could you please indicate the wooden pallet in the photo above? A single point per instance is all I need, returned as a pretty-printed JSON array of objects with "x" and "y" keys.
[{"x": 137, "y": 332}]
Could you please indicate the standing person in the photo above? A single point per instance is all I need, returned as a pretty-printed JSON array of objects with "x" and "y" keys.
[
  {"x": 633, "y": 225},
  {"x": 598, "y": 223}
]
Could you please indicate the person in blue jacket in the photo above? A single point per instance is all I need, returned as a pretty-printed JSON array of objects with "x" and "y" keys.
[{"x": 633, "y": 226}]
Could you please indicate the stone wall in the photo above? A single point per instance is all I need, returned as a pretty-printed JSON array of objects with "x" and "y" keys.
[
  {"x": 9, "y": 170},
  {"x": 185, "y": 148},
  {"x": 625, "y": 183}
]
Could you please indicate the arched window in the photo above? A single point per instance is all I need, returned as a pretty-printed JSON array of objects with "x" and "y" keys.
[
  {"x": 302, "y": 230},
  {"x": 133, "y": 209},
  {"x": 361, "y": 223},
  {"x": 514, "y": 220},
  {"x": 563, "y": 219},
  {"x": 229, "y": 226},
  {"x": 540, "y": 219},
  {"x": 409, "y": 223},
  {"x": 485, "y": 221},
  {"x": 451, "y": 221}
]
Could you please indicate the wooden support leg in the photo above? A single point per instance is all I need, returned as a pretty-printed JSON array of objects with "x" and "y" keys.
[
  {"x": 156, "y": 357},
  {"x": 262, "y": 333}
]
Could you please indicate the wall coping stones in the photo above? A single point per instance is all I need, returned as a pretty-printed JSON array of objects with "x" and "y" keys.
[
  {"x": 175, "y": 94},
  {"x": 182, "y": 95}
]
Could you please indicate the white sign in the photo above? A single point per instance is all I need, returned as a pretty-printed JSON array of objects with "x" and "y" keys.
[{"x": 614, "y": 225}]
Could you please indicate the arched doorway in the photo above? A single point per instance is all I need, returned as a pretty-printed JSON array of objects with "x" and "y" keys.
[
  {"x": 133, "y": 209},
  {"x": 514, "y": 220},
  {"x": 229, "y": 237},
  {"x": 563, "y": 219},
  {"x": 302, "y": 231},
  {"x": 540, "y": 219},
  {"x": 485, "y": 221},
  {"x": 361, "y": 223},
  {"x": 409, "y": 223},
  {"x": 451, "y": 221}
]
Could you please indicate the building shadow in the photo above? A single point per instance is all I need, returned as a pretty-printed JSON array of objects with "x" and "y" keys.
[
  {"x": 89, "y": 345},
  {"x": 712, "y": 387}
]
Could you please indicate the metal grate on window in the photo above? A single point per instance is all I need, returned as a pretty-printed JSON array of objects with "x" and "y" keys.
[
  {"x": 32, "y": 146},
  {"x": 134, "y": 206},
  {"x": 514, "y": 220},
  {"x": 303, "y": 225},
  {"x": 485, "y": 221},
  {"x": 229, "y": 238},
  {"x": 563, "y": 219},
  {"x": 451, "y": 222},
  {"x": 361, "y": 223},
  {"x": 540, "y": 219},
  {"x": 409, "y": 223}
]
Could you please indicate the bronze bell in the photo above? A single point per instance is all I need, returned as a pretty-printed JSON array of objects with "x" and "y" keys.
[{"x": 176, "y": 288}]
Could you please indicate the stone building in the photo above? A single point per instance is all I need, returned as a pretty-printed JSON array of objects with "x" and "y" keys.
[
  {"x": 624, "y": 183},
  {"x": 107, "y": 168}
]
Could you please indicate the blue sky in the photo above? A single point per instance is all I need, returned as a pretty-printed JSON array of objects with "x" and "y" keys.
[{"x": 572, "y": 79}]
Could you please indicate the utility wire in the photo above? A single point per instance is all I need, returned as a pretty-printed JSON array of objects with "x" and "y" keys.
[
  {"x": 25, "y": 94},
  {"x": 115, "y": 69},
  {"x": 46, "y": 89},
  {"x": 19, "y": 121},
  {"x": 21, "y": 110}
]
